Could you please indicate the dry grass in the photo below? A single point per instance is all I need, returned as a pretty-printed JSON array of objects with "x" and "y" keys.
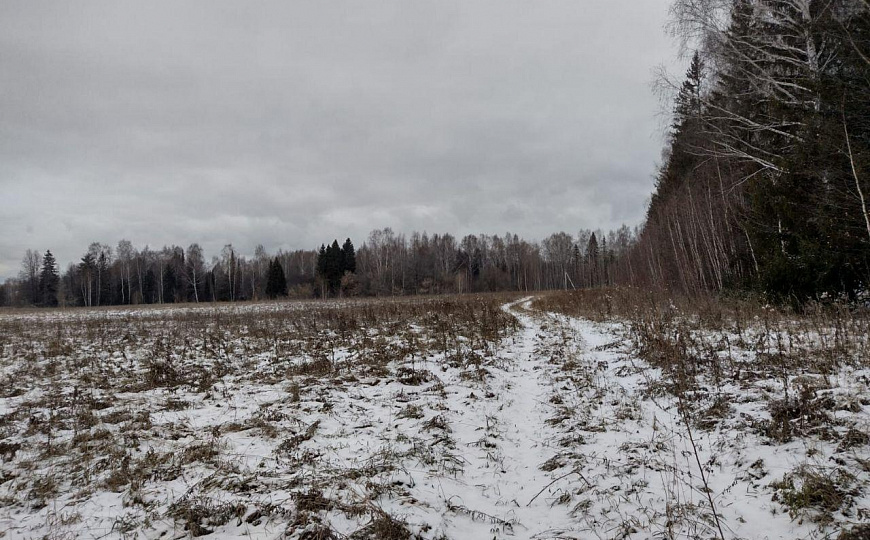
[
  {"x": 792, "y": 379},
  {"x": 108, "y": 400}
]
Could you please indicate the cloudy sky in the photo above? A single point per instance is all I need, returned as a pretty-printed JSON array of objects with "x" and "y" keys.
[{"x": 292, "y": 123}]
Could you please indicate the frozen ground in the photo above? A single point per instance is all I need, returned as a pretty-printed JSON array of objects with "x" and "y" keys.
[{"x": 549, "y": 428}]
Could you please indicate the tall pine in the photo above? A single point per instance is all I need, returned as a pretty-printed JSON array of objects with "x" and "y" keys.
[
  {"x": 49, "y": 280},
  {"x": 276, "y": 281},
  {"x": 348, "y": 257},
  {"x": 334, "y": 264}
]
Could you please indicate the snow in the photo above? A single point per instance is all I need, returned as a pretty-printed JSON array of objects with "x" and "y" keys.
[{"x": 555, "y": 432}]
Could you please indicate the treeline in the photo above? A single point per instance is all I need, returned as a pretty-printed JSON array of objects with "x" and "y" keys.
[
  {"x": 386, "y": 264},
  {"x": 125, "y": 275},
  {"x": 765, "y": 184}
]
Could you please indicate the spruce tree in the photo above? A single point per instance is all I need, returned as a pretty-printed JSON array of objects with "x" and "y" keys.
[
  {"x": 270, "y": 280},
  {"x": 276, "y": 282},
  {"x": 688, "y": 108},
  {"x": 280, "y": 280},
  {"x": 348, "y": 256},
  {"x": 321, "y": 261},
  {"x": 592, "y": 260},
  {"x": 104, "y": 283},
  {"x": 149, "y": 287},
  {"x": 49, "y": 279},
  {"x": 334, "y": 266}
]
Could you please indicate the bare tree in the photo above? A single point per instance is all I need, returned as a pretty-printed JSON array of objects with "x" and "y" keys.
[
  {"x": 29, "y": 274},
  {"x": 195, "y": 266},
  {"x": 126, "y": 253}
]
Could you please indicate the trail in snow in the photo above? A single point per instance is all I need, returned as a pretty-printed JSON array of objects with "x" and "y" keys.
[{"x": 507, "y": 440}]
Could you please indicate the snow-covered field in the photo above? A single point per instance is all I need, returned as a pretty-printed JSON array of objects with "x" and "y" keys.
[{"x": 456, "y": 418}]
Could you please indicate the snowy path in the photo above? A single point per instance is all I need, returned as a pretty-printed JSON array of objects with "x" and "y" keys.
[{"x": 506, "y": 440}]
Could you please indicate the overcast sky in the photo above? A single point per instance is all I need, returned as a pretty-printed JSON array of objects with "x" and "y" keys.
[{"x": 293, "y": 123}]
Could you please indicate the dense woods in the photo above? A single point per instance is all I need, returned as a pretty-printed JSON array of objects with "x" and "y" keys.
[
  {"x": 765, "y": 181},
  {"x": 763, "y": 188}
]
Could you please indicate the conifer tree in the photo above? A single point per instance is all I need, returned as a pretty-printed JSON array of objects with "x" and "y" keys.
[
  {"x": 280, "y": 279},
  {"x": 321, "y": 261},
  {"x": 321, "y": 279},
  {"x": 688, "y": 107},
  {"x": 276, "y": 282},
  {"x": 348, "y": 256},
  {"x": 334, "y": 265},
  {"x": 49, "y": 280},
  {"x": 592, "y": 260},
  {"x": 149, "y": 287},
  {"x": 270, "y": 280},
  {"x": 104, "y": 285}
]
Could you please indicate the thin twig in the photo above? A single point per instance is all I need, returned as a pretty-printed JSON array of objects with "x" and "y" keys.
[
  {"x": 700, "y": 467},
  {"x": 567, "y": 474}
]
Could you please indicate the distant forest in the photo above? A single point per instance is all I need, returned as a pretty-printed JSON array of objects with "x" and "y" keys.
[
  {"x": 763, "y": 188},
  {"x": 386, "y": 264}
]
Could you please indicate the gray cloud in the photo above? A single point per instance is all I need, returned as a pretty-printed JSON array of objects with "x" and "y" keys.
[{"x": 290, "y": 123}]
